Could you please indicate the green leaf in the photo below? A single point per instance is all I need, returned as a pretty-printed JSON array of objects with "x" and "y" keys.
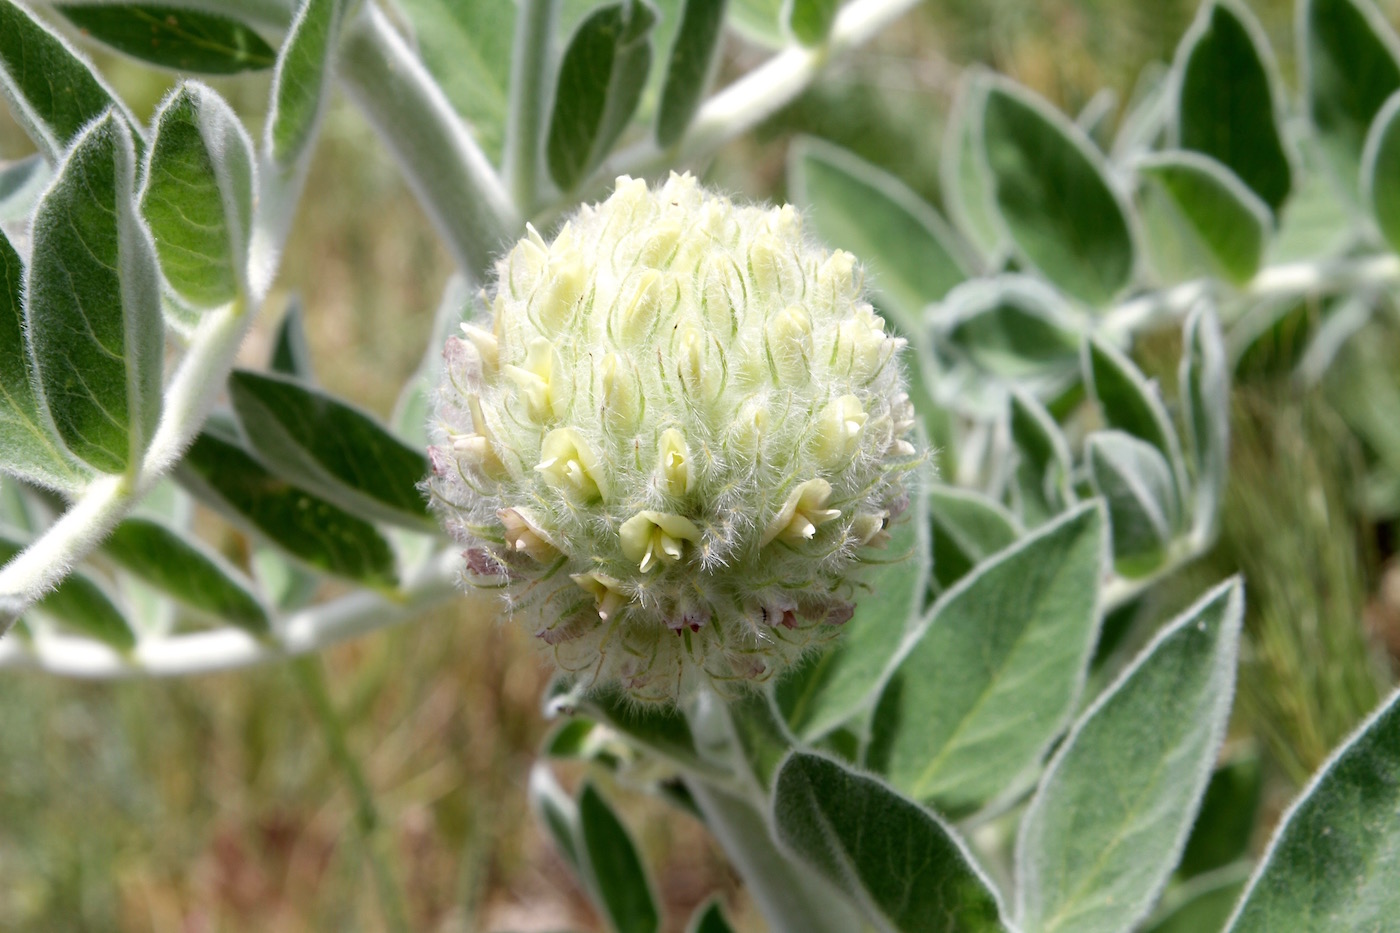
[
  {"x": 966, "y": 528},
  {"x": 1053, "y": 195},
  {"x": 1011, "y": 326},
  {"x": 842, "y": 681},
  {"x": 693, "y": 57},
  {"x": 323, "y": 443},
  {"x": 1205, "y": 402},
  {"x": 299, "y": 85},
  {"x": 600, "y": 82},
  {"x": 908, "y": 871},
  {"x": 995, "y": 673},
  {"x": 195, "y": 576},
  {"x": 709, "y": 918},
  {"x": 914, "y": 256},
  {"x": 1113, "y": 810},
  {"x": 759, "y": 21},
  {"x": 661, "y": 730},
  {"x": 465, "y": 46},
  {"x": 321, "y": 535},
  {"x": 1227, "y": 99},
  {"x": 198, "y": 196},
  {"x": 1350, "y": 64},
  {"x": 1380, "y": 171},
  {"x": 965, "y": 176},
  {"x": 21, "y": 183},
  {"x": 1042, "y": 461},
  {"x": 762, "y": 734},
  {"x": 619, "y": 880},
  {"x": 52, "y": 89},
  {"x": 810, "y": 21},
  {"x": 1221, "y": 834},
  {"x": 557, "y": 811},
  {"x": 1216, "y": 217},
  {"x": 1333, "y": 861},
  {"x": 291, "y": 354},
  {"x": 1127, "y": 400},
  {"x": 92, "y": 309},
  {"x": 79, "y": 605},
  {"x": 1143, "y": 509},
  {"x": 29, "y": 443},
  {"x": 1203, "y": 903},
  {"x": 173, "y": 37}
]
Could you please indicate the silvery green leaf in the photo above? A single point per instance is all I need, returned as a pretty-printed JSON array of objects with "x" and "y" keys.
[
  {"x": 29, "y": 443},
  {"x": 78, "y": 605},
  {"x": 1221, "y": 835},
  {"x": 190, "y": 41},
  {"x": 995, "y": 670},
  {"x": 1202, "y": 903},
  {"x": 965, "y": 177},
  {"x": 913, "y": 255},
  {"x": 1205, "y": 402},
  {"x": 326, "y": 444},
  {"x": 181, "y": 567},
  {"x": 1350, "y": 60},
  {"x": 1129, "y": 402},
  {"x": 1334, "y": 859},
  {"x": 759, "y": 21},
  {"x": 198, "y": 196},
  {"x": 299, "y": 85},
  {"x": 21, "y": 183},
  {"x": 694, "y": 54},
  {"x": 1137, "y": 485},
  {"x": 619, "y": 880},
  {"x": 599, "y": 85},
  {"x": 1380, "y": 171},
  {"x": 1228, "y": 99},
  {"x": 762, "y": 735},
  {"x": 92, "y": 303},
  {"x": 1205, "y": 214},
  {"x": 810, "y": 21},
  {"x": 1053, "y": 195},
  {"x": 1012, "y": 327},
  {"x": 465, "y": 46},
  {"x": 663, "y": 731},
  {"x": 709, "y": 918},
  {"x": 841, "y": 682},
  {"x": 1107, "y": 824},
  {"x": 1146, "y": 114},
  {"x": 557, "y": 811},
  {"x": 966, "y": 528},
  {"x": 291, "y": 354},
  {"x": 909, "y": 872},
  {"x": 52, "y": 89},
  {"x": 1042, "y": 471},
  {"x": 322, "y": 536}
]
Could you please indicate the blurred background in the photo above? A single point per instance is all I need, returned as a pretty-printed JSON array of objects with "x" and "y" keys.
[{"x": 211, "y": 803}]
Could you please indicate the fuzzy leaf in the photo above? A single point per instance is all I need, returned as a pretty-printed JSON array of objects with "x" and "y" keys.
[
  {"x": 914, "y": 256},
  {"x": 1143, "y": 509},
  {"x": 557, "y": 811},
  {"x": 996, "y": 672},
  {"x": 1205, "y": 400},
  {"x": 1053, "y": 195},
  {"x": 79, "y": 605},
  {"x": 291, "y": 354},
  {"x": 908, "y": 870},
  {"x": 762, "y": 735},
  {"x": 1113, "y": 810},
  {"x": 220, "y": 472},
  {"x": 1380, "y": 171},
  {"x": 1042, "y": 462},
  {"x": 692, "y": 60},
  {"x": 92, "y": 309},
  {"x": 303, "y": 73},
  {"x": 52, "y": 90},
  {"x": 1011, "y": 326},
  {"x": 323, "y": 443},
  {"x": 1218, "y": 218},
  {"x": 600, "y": 82},
  {"x": 619, "y": 880},
  {"x": 965, "y": 176},
  {"x": 1127, "y": 400},
  {"x": 171, "y": 37},
  {"x": 1351, "y": 64},
  {"x": 196, "y": 577},
  {"x": 1201, "y": 904},
  {"x": 198, "y": 197},
  {"x": 1334, "y": 859},
  {"x": 967, "y": 528},
  {"x": 1227, "y": 106},
  {"x": 21, "y": 183}
]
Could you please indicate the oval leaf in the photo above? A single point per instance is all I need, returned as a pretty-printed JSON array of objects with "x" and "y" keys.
[
  {"x": 915, "y": 257},
  {"x": 1042, "y": 459},
  {"x": 964, "y": 175},
  {"x": 198, "y": 196},
  {"x": 600, "y": 82},
  {"x": 1011, "y": 326},
  {"x": 1053, "y": 195},
  {"x": 967, "y": 527},
  {"x": 907, "y": 869},
  {"x": 174, "y": 38},
  {"x": 1380, "y": 171},
  {"x": 1351, "y": 64},
  {"x": 220, "y": 472},
  {"x": 1205, "y": 401},
  {"x": 1334, "y": 859},
  {"x": 1222, "y": 221},
  {"x": 1227, "y": 105},
  {"x": 79, "y": 605},
  {"x": 693, "y": 57},
  {"x": 1104, "y": 830},
  {"x": 995, "y": 675},
  {"x": 810, "y": 21},
  {"x": 298, "y": 87},
  {"x": 194, "y": 576},
  {"x": 1135, "y": 482},
  {"x": 1128, "y": 401},
  {"x": 325, "y": 444},
  {"x": 619, "y": 880},
  {"x": 92, "y": 309}
]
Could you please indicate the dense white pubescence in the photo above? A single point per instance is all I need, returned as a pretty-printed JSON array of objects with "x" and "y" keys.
[{"x": 674, "y": 439}]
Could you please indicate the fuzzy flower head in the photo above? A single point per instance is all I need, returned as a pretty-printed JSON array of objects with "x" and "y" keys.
[{"x": 673, "y": 440}]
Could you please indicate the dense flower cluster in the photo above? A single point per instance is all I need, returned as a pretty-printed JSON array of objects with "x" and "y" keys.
[{"x": 673, "y": 440}]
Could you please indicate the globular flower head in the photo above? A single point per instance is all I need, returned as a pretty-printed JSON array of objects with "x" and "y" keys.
[{"x": 672, "y": 439}]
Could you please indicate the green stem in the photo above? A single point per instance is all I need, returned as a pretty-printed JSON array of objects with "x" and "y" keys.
[
  {"x": 525, "y": 119},
  {"x": 311, "y": 679}
]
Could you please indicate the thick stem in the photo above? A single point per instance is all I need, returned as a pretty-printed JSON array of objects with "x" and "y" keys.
[
  {"x": 791, "y": 897},
  {"x": 534, "y": 27},
  {"x": 452, "y": 178},
  {"x": 312, "y": 680}
]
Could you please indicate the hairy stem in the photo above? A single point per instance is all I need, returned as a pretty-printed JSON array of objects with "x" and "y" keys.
[
  {"x": 534, "y": 26},
  {"x": 311, "y": 678}
]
